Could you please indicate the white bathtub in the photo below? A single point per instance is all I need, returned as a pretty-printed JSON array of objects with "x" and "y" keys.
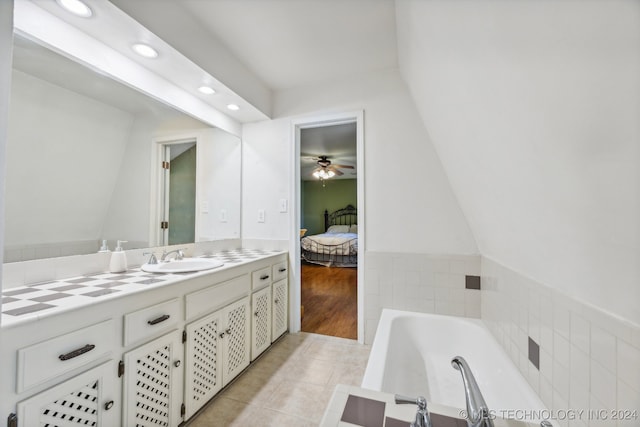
[{"x": 412, "y": 352}]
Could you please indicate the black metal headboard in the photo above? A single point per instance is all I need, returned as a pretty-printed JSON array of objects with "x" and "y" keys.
[{"x": 344, "y": 216}]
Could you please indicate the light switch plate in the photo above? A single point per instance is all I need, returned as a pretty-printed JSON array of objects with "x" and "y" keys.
[
  {"x": 223, "y": 215},
  {"x": 261, "y": 215},
  {"x": 284, "y": 205},
  {"x": 204, "y": 207}
]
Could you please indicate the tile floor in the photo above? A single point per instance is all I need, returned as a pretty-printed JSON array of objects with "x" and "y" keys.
[{"x": 289, "y": 385}]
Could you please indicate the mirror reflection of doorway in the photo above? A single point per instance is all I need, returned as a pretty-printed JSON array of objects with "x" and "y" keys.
[{"x": 179, "y": 193}]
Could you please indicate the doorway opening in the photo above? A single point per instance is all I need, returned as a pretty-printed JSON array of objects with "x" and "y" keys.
[
  {"x": 177, "y": 192},
  {"x": 181, "y": 206},
  {"x": 330, "y": 233}
]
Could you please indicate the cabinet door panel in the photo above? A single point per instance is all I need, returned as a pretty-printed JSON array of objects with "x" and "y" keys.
[
  {"x": 260, "y": 321},
  {"x": 203, "y": 361},
  {"x": 79, "y": 401},
  {"x": 236, "y": 348},
  {"x": 280, "y": 312},
  {"x": 153, "y": 383}
]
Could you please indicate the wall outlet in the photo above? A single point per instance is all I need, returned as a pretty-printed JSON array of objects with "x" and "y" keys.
[
  {"x": 261, "y": 215},
  {"x": 284, "y": 205}
]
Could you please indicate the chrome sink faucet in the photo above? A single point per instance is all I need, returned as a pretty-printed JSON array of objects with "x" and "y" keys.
[
  {"x": 179, "y": 254},
  {"x": 477, "y": 410},
  {"x": 422, "y": 416}
]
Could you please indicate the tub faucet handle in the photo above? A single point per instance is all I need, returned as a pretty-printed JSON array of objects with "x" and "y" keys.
[{"x": 422, "y": 416}]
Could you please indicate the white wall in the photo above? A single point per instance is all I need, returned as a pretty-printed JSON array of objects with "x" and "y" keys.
[
  {"x": 65, "y": 150},
  {"x": 411, "y": 214},
  {"x": 221, "y": 186},
  {"x": 533, "y": 109},
  {"x": 129, "y": 202},
  {"x": 409, "y": 204}
]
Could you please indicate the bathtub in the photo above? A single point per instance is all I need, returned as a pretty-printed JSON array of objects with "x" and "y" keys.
[{"x": 412, "y": 352}]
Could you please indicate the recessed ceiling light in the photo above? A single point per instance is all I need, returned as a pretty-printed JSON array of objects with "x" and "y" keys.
[
  {"x": 233, "y": 107},
  {"x": 145, "y": 50},
  {"x": 206, "y": 90},
  {"x": 76, "y": 7}
]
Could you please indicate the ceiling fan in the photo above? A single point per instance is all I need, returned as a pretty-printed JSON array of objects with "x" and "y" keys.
[{"x": 326, "y": 169}]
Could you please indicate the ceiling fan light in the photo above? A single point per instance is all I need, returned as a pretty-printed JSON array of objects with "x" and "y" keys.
[{"x": 323, "y": 173}]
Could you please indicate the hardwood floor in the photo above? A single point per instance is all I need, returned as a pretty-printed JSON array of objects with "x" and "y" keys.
[{"x": 330, "y": 300}]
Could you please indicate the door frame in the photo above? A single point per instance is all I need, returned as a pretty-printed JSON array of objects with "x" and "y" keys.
[
  {"x": 297, "y": 125},
  {"x": 157, "y": 183}
]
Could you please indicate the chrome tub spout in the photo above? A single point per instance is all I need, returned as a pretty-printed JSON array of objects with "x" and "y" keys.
[{"x": 477, "y": 410}]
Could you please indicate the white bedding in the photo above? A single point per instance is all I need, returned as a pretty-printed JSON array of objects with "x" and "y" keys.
[{"x": 331, "y": 243}]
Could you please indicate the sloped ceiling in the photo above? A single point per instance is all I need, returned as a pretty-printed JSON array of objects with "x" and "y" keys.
[{"x": 533, "y": 108}]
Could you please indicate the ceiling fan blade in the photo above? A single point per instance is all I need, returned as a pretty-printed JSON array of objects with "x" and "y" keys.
[
  {"x": 337, "y": 172},
  {"x": 343, "y": 166}
]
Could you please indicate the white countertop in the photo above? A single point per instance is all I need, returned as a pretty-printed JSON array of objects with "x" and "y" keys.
[{"x": 37, "y": 301}]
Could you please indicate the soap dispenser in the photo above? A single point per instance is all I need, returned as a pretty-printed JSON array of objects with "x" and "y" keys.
[
  {"x": 118, "y": 262},
  {"x": 104, "y": 247}
]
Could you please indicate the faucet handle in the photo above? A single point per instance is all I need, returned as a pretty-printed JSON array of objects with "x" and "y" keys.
[
  {"x": 423, "y": 419},
  {"x": 420, "y": 401},
  {"x": 152, "y": 258}
]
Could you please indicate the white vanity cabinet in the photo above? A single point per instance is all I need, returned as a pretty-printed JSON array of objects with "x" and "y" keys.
[
  {"x": 153, "y": 382},
  {"x": 279, "y": 308},
  {"x": 203, "y": 361},
  {"x": 153, "y": 357},
  {"x": 217, "y": 350},
  {"x": 260, "y": 321},
  {"x": 236, "y": 339},
  {"x": 279, "y": 299},
  {"x": 86, "y": 399}
]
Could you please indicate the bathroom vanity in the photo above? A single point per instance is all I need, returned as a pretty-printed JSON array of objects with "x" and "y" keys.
[{"x": 135, "y": 347}]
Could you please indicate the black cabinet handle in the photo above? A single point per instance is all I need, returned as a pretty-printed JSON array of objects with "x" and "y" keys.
[
  {"x": 158, "y": 319},
  {"x": 108, "y": 405},
  {"x": 76, "y": 353},
  {"x": 265, "y": 277},
  {"x": 282, "y": 270}
]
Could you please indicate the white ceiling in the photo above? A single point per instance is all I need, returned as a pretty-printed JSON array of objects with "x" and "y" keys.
[
  {"x": 296, "y": 43},
  {"x": 247, "y": 49},
  {"x": 337, "y": 142}
]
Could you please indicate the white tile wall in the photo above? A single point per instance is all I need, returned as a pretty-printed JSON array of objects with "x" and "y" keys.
[
  {"x": 417, "y": 282},
  {"x": 589, "y": 359}
]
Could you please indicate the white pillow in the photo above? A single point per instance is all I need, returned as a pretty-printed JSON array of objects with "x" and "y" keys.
[
  {"x": 338, "y": 229},
  {"x": 353, "y": 229}
]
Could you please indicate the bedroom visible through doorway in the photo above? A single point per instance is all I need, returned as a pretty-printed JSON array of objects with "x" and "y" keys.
[{"x": 329, "y": 230}]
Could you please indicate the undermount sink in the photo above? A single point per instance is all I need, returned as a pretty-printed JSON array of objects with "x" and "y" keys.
[{"x": 184, "y": 265}]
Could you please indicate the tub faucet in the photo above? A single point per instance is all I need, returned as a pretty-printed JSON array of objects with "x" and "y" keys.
[
  {"x": 179, "y": 255},
  {"x": 422, "y": 416},
  {"x": 477, "y": 410}
]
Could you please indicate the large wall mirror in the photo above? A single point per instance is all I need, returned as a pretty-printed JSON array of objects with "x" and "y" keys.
[{"x": 80, "y": 169}]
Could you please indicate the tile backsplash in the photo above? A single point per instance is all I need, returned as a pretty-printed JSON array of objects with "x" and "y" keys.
[
  {"x": 419, "y": 282},
  {"x": 589, "y": 360}
]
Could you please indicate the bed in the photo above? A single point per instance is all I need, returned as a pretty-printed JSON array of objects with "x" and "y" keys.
[{"x": 338, "y": 245}]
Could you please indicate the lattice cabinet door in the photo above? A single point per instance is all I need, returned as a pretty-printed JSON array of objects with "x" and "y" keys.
[
  {"x": 203, "y": 361},
  {"x": 236, "y": 339},
  {"x": 279, "y": 310},
  {"x": 153, "y": 381},
  {"x": 260, "y": 321},
  {"x": 88, "y": 399}
]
